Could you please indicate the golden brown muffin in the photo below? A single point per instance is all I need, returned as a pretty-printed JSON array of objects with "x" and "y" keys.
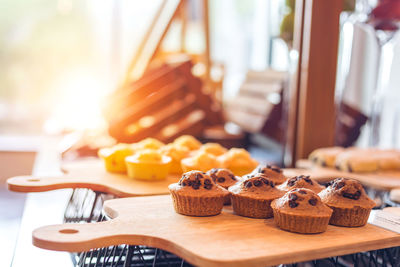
[
  {"x": 148, "y": 164},
  {"x": 201, "y": 161},
  {"x": 213, "y": 148},
  {"x": 252, "y": 197},
  {"x": 301, "y": 181},
  {"x": 196, "y": 194},
  {"x": 114, "y": 157},
  {"x": 273, "y": 173},
  {"x": 301, "y": 210},
  {"x": 148, "y": 143},
  {"x": 350, "y": 204},
  {"x": 325, "y": 156},
  {"x": 188, "y": 141},
  {"x": 224, "y": 178},
  {"x": 238, "y": 160},
  {"x": 368, "y": 160},
  {"x": 177, "y": 153}
]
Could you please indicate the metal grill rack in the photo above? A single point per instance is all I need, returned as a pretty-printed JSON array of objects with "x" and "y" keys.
[{"x": 86, "y": 205}]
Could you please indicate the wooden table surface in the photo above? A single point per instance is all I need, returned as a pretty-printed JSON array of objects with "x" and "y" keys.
[{"x": 222, "y": 240}]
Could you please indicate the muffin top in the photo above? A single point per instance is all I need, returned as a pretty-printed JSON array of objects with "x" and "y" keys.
[
  {"x": 148, "y": 156},
  {"x": 148, "y": 143},
  {"x": 237, "y": 157},
  {"x": 213, "y": 148},
  {"x": 177, "y": 153},
  {"x": 273, "y": 173},
  {"x": 197, "y": 183},
  {"x": 258, "y": 186},
  {"x": 119, "y": 149},
  {"x": 202, "y": 160},
  {"x": 346, "y": 193},
  {"x": 223, "y": 177},
  {"x": 301, "y": 181},
  {"x": 188, "y": 141},
  {"x": 301, "y": 201}
]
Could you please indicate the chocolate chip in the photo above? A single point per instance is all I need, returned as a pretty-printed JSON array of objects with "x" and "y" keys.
[
  {"x": 302, "y": 192},
  {"x": 293, "y": 197},
  {"x": 307, "y": 179},
  {"x": 265, "y": 181},
  {"x": 195, "y": 186},
  {"x": 199, "y": 176},
  {"x": 189, "y": 182},
  {"x": 276, "y": 169},
  {"x": 338, "y": 185},
  {"x": 183, "y": 184},
  {"x": 248, "y": 184},
  {"x": 257, "y": 183},
  {"x": 323, "y": 163},
  {"x": 232, "y": 176},
  {"x": 349, "y": 169},
  {"x": 207, "y": 181},
  {"x": 314, "y": 159},
  {"x": 354, "y": 196},
  {"x": 293, "y": 204},
  {"x": 221, "y": 179},
  {"x": 208, "y": 186},
  {"x": 272, "y": 184},
  {"x": 292, "y": 181},
  {"x": 337, "y": 167},
  {"x": 312, "y": 201}
]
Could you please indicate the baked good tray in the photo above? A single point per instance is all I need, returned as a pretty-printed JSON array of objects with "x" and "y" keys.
[
  {"x": 383, "y": 180},
  {"x": 222, "y": 240},
  {"x": 92, "y": 175}
]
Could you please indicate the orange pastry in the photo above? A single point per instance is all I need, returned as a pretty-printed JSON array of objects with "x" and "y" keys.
[{"x": 238, "y": 160}]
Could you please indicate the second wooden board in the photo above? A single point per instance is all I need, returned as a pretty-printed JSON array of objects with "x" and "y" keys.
[
  {"x": 222, "y": 240},
  {"x": 91, "y": 174},
  {"x": 383, "y": 180}
]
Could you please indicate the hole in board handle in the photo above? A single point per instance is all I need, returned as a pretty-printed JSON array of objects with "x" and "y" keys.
[
  {"x": 33, "y": 180},
  {"x": 68, "y": 231}
]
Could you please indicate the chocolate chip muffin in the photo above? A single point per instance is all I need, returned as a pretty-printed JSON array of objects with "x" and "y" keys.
[
  {"x": 325, "y": 156},
  {"x": 301, "y": 181},
  {"x": 252, "y": 197},
  {"x": 350, "y": 204},
  {"x": 196, "y": 194},
  {"x": 273, "y": 173},
  {"x": 301, "y": 211},
  {"x": 224, "y": 178}
]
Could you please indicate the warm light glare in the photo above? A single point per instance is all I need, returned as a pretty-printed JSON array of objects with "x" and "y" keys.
[{"x": 77, "y": 103}]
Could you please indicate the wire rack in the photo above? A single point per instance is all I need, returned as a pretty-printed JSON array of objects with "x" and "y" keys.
[{"x": 85, "y": 206}]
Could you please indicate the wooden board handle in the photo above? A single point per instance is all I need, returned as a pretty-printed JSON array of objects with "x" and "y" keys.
[
  {"x": 77, "y": 237},
  {"x": 28, "y": 184}
]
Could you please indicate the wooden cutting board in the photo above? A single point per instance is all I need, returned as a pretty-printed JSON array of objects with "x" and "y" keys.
[
  {"x": 384, "y": 180},
  {"x": 91, "y": 174},
  {"x": 222, "y": 240}
]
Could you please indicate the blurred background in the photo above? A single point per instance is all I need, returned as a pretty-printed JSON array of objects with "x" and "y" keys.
[{"x": 71, "y": 69}]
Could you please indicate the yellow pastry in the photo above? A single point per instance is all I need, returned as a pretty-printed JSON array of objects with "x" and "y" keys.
[
  {"x": 114, "y": 157},
  {"x": 213, "y": 148},
  {"x": 148, "y": 143},
  {"x": 201, "y": 161},
  {"x": 148, "y": 165},
  {"x": 188, "y": 141},
  {"x": 176, "y": 153},
  {"x": 238, "y": 160},
  {"x": 325, "y": 156}
]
